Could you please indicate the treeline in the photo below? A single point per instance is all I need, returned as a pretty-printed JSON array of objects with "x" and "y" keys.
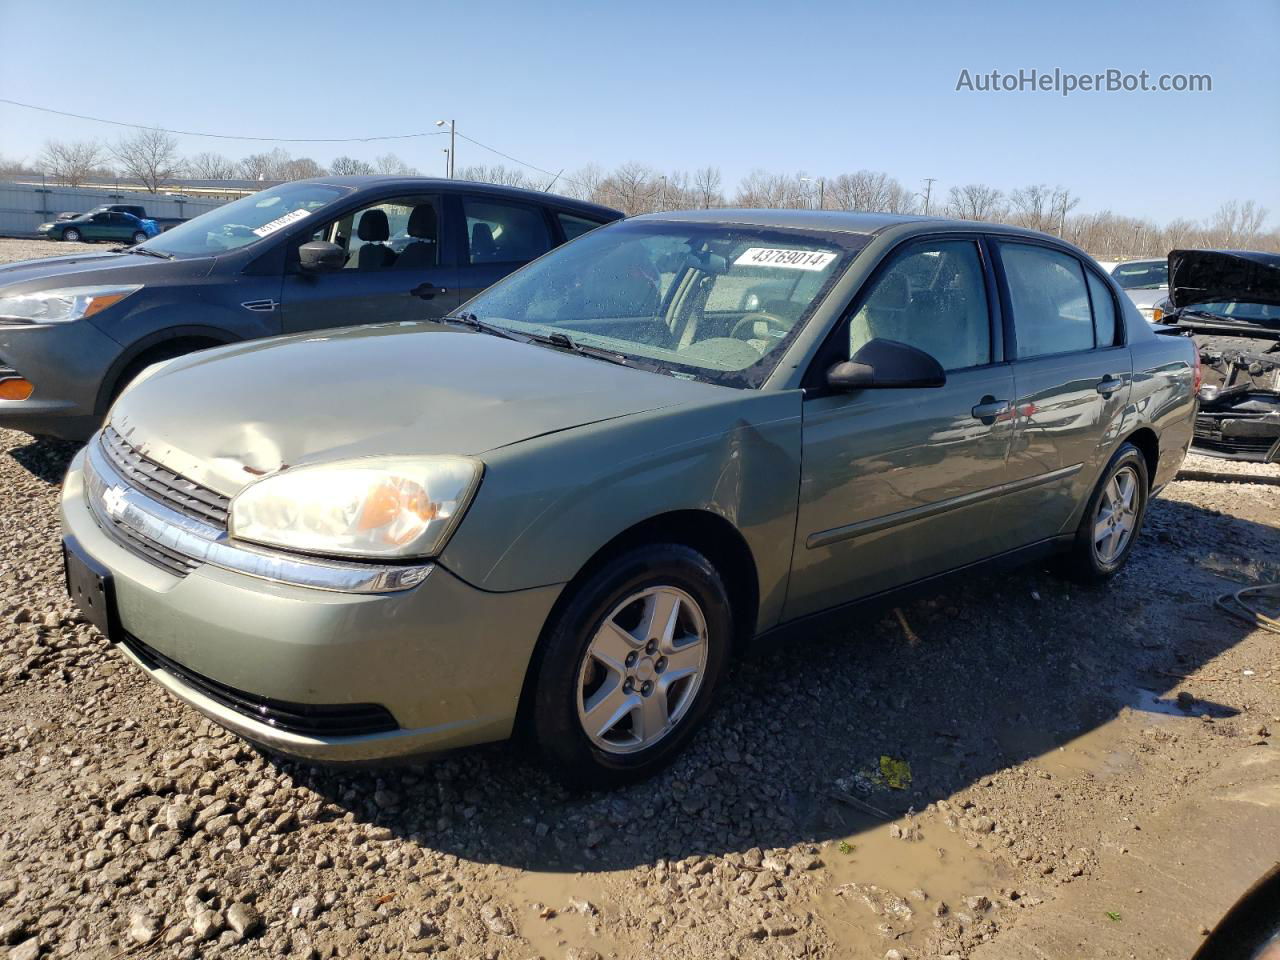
[{"x": 151, "y": 158}]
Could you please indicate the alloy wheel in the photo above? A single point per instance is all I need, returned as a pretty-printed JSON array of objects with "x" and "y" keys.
[
  {"x": 642, "y": 670},
  {"x": 1117, "y": 516},
  {"x": 71, "y": 236}
]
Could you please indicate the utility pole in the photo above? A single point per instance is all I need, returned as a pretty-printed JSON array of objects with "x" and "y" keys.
[
  {"x": 453, "y": 142},
  {"x": 928, "y": 193}
]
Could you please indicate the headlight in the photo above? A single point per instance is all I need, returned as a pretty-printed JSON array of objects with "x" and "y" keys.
[
  {"x": 377, "y": 508},
  {"x": 62, "y": 305}
]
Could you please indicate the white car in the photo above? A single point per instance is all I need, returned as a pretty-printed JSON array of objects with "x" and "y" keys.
[{"x": 1146, "y": 282}]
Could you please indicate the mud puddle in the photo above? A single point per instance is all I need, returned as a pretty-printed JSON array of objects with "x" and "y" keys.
[
  {"x": 559, "y": 911},
  {"x": 890, "y": 882}
]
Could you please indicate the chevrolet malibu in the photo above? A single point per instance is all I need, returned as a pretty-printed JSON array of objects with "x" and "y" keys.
[{"x": 563, "y": 509}]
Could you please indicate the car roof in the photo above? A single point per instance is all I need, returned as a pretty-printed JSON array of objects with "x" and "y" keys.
[{"x": 379, "y": 181}]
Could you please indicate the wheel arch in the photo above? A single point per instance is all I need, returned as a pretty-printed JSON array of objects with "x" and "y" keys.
[
  {"x": 708, "y": 533},
  {"x": 159, "y": 345},
  {"x": 1145, "y": 439}
]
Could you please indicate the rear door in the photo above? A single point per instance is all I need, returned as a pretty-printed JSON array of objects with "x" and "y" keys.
[
  {"x": 97, "y": 227},
  {"x": 499, "y": 236},
  {"x": 1072, "y": 375},
  {"x": 401, "y": 265},
  {"x": 901, "y": 484}
]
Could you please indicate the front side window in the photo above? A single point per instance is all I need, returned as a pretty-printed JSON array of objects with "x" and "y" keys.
[
  {"x": 1049, "y": 299},
  {"x": 714, "y": 302},
  {"x": 499, "y": 232},
  {"x": 400, "y": 233},
  {"x": 932, "y": 297},
  {"x": 247, "y": 220}
]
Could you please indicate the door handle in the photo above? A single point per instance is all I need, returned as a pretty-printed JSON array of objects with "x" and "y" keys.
[
  {"x": 989, "y": 409},
  {"x": 1109, "y": 385},
  {"x": 426, "y": 290}
]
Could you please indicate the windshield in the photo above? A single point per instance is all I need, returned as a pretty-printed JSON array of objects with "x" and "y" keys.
[
  {"x": 1240, "y": 311},
  {"x": 1142, "y": 274},
  {"x": 715, "y": 302},
  {"x": 246, "y": 220}
]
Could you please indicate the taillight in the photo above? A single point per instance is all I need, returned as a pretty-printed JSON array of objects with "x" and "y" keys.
[{"x": 1197, "y": 372}]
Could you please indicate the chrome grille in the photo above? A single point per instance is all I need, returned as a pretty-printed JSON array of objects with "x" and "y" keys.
[{"x": 163, "y": 484}]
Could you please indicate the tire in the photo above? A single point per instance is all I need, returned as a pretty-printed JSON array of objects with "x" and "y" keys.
[
  {"x": 1094, "y": 558},
  {"x": 154, "y": 355},
  {"x": 140, "y": 237},
  {"x": 575, "y": 690},
  {"x": 71, "y": 235}
]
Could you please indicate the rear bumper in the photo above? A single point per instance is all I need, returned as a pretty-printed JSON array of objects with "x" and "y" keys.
[{"x": 444, "y": 661}]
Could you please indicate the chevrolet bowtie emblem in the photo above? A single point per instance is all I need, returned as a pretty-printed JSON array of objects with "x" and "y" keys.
[{"x": 113, "y": 500}]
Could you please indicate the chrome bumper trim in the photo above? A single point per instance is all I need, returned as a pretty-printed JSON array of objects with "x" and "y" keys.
[{"x": 114, "y": 502}]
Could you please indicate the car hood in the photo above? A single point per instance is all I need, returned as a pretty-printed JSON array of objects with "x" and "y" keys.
[
  {"x": 28, "y": 275},
  {"x": 1213, "y": 276},
  {"x": 1147, "y": 298},
  {"x": 227, "y": 416}
]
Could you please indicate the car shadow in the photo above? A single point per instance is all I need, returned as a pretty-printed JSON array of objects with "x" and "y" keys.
[
  {"x": 44, "y": 458},
  {"x": 1022, "y": 666}
]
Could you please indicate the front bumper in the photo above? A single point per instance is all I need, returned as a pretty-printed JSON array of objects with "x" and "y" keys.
[
  {"x": 66, "y": 363},
  {"x": 1230, "y": 435},
  {"x": 446, "y": 660}
]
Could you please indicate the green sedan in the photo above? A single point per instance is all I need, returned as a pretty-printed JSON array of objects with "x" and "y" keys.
[
  {"x": 100, "y": 225},
  {"x": 564, "y": 509}
]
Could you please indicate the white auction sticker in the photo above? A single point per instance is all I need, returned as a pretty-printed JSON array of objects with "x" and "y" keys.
[
  {"x": 790, "y": 259},
  {"x": 279, "y": 223}
]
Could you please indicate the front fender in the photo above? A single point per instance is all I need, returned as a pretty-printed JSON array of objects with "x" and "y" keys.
[{"x": 548, "y": 504}]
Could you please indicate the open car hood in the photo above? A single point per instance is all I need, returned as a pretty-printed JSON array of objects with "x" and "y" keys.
[{"x": 1215, "y": 276}]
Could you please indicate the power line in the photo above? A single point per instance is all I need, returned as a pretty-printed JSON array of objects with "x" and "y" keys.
[
  {"x": 523, "y": 163},
  {"x": 225, "y": 136}
]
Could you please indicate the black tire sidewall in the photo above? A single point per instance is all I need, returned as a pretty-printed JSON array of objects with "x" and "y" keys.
[
  {"x": 1086, "y": 558},
  {"x": 555, "y": 723}
]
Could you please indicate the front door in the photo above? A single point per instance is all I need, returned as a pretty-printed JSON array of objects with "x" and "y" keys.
[
  {"x": 98, "y": 227},
  {"x": 1072, "y": 376},
  {"x": 400, "y": 266},
  {"x": 901, "y": 484}
]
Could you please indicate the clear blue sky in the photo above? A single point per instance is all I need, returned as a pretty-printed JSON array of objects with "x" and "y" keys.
[{"x": 819, "y": 87}]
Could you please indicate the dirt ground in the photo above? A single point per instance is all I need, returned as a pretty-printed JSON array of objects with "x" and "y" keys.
[{"x": 1018, "y": 768}]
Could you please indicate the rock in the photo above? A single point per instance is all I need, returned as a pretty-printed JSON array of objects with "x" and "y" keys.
[
  {"x": 11, "y": 931},
  {"x": 95, "y": 858},
  {"x": 496, "y": 922},
  {"x": 893, "y": 954},
  {"x": 1185, "y": 700},
  {"x": 581, "y": 953},
  {"x": 305, "y": 908},
  {"x": 978, "y": 904},
  {"x": 207, "y": 924},
  {"x": 983, "y": 824},
  {"x": 243, "y": 919},
  {"x": 177, "y": 816},
  {"x": 26, "y": 950},
  {"x": 143, "y": 926}
]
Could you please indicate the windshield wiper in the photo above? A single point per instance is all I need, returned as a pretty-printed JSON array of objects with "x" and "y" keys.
[
  {"x": 565, "y": 343},
  {"x": 144, "y": 252},
  {"x": 473, "y": 322}
]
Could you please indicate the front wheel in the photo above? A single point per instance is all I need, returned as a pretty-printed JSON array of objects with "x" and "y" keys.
[
  {"x": 140, "y": 237},
  {"x": 1111, "y": 520},
  {"x": 631, "y": 665},
  {"x": 71, "y": 235}
]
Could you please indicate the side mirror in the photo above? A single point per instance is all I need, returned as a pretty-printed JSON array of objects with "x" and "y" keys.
[
  {"x": 321, "y": 256},
  {"x": 886, "y": 364}
]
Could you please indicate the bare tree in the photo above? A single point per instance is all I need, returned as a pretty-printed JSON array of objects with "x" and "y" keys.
[
  {"x": 868, "y": 190},
  {"x": 149, "y": 156},
  {"x": 975, "y": 201},
  {"x": 209, "y": 166},
  {"x": 349, "y": 166},
  {"x": 299, "y": 168},
  {"x": 72, "y": 163},
  {"x": 12, "y": 167},
  {"x": 507, "y": 176},
  {"x": 585, "y": 183},
  {"x": 389, "y": 163},
  {"x": 707, "y": 187},
  {"x": 1237, "y": 224}
]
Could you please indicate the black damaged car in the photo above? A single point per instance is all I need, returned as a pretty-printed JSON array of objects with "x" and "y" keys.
[{"x": 1229, "y": 301}]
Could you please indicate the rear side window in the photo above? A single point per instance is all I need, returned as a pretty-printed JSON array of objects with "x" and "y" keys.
[
  {"x": 499, "y": 232},
  {"x": 575, "y": 226},
  {"x": 932, "y": 297},
  {"x": 1049, "y": 298},
  {"x": 1104, "y": 311}
]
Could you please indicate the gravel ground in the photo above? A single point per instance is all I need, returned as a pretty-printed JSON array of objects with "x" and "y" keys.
[
  {"x": 14, "y": 248},
  {"x": 917, "y": 784}
]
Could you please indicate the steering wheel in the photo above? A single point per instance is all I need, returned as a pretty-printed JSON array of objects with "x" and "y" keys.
[{"x": 776, "y": 323}]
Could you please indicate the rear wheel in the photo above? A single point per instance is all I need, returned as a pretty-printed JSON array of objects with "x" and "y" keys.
[
  {"x": 1111, "y": 521},
  {"x": 71, "y": 235},
  {"x": 140, "y": 237},
  {"x": 631, "y": 665}
]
